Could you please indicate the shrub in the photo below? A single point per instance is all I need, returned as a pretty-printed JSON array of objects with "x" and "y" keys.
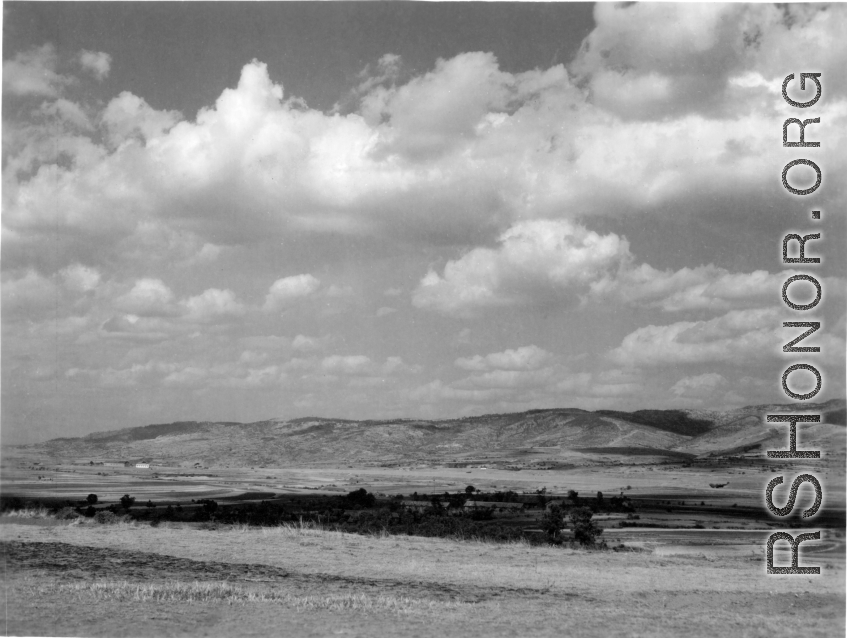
[
  {"x": 552, "y": 523},
  {"x": 105, "y": 517},
  {"x": 92, "y": 499},
  {"x": 66, "y": 514},
  {"x": 127, "y": 501},
  {"x": 90, "y": 511},
  {"x": 585, "y": 531},
  {"x": 209, "y": 506}
]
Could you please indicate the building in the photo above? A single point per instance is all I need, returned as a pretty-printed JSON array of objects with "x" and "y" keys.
[{"x": 143, "y": 465}]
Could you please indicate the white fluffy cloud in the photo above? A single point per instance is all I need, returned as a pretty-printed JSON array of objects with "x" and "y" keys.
[
  {"x": 213, "y": 304},
  {"x": 34, "y": 73},
  {"x": 148, "y": 298},
  {"x": 128, "y": 116},
  {"x": 545, "y": 261},
  {"x": 97, "y": 63},
  {"x": 287, "y": 290},
  {"x": 463, "y": 151},
  {"x": 699, "y": 386},
  {"x": 739, "y": 338},
  {"x": 524, "y": 358},
  {"x": 690, "y": 67},
  {"x": 556, "y": 257}
]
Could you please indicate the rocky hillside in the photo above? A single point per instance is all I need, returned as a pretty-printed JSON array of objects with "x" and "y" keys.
[{"x": 323, "y": 440}]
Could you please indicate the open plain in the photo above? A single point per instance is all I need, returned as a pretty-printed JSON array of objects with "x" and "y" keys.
[
  {"x": 685, "y": 540},
  {"x": 171, "y": 580}
]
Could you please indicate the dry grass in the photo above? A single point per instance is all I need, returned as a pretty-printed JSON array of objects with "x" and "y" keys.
[
  {"x": 220, "y": 592},
  {"x": 29, "y": 512}
]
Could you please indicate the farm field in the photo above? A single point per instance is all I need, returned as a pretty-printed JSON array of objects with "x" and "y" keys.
[{"x": 175, "y": 579}]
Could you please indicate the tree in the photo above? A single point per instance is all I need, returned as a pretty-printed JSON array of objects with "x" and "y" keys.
[
  {"x": 127, "y": 501},
  {"x": 458, "y": 500},
  {"x": 360, "y": 499},
  {"x": 573, "y": 496},
  {"x": 585, "y": 531},
  {"x": 552, "y": 523},
  {"x": 470, "y": 489},
  {"x": 209, "y": 506},
  {"x": 91, "y": 498}
]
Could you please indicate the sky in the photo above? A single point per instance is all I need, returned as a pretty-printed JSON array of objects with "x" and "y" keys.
[{"x": 244, "y": 211}]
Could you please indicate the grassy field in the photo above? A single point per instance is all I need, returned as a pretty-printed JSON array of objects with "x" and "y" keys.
[{"x": 136, "y": 580}]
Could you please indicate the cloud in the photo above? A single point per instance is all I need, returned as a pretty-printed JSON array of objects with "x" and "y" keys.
[
  {"x": 700, "y": 386},
  {"x": 148, "y": 298},
  {"x": 384, "y": 311},
  {"x": 128, "y": 117},
  {"x": 738, "y": 338},
  {"x": 302, "y": 343},
  {"x": 213, "y": 304},
  {"x": 555, "y": 257},
  {"x": 81, "y": 278},
  {"x": 96, "y": 63},
  {"x": 350, "y": 364},
  {"x": 702, "y": 287},
  {"x": 34, "y": 73},
  {"x": 524, "y": 358},
  {"x": 69, "y": 112},
  {"x": 433, "y": 161},
  {"x": 692, "y": 66},
  {"x": 287, "y": 290},
  {"x": 545, "y": 262}
]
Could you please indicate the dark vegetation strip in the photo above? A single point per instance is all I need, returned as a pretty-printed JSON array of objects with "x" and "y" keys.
[
  {"x": 636, "y": 451},
  {"x": 675, "y": 421}
]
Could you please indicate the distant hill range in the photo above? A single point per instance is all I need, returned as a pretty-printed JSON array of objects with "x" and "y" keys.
[{"x": 565, "y": 432}]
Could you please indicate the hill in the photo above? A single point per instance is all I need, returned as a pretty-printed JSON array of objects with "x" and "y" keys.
[{"x": 564, "y": 432}]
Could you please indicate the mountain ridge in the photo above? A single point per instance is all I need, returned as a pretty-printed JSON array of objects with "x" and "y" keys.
[{"x": 559, "y": 431}]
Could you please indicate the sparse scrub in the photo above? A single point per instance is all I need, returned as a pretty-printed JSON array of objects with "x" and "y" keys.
[
  {"x": 224, "y": 592},
  {"x": 67, "y": 514},
  {"x": 106, "y": 517}
]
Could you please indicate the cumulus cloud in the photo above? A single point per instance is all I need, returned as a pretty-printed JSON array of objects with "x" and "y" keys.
[
  {"x": 34, "y": 73},
  {"x": 548, "y": 261},
  {"x": 129, "y": 116},
  {"x": 213, "y": 304},
  {"x": 148, "y": 298},
  {"x": 81, "y": 278},
  {"x": 460, "y": 152},
  {"x": 287, "y": 290},
  {"x": 699, "y": 386},
  {"x": 702, "y": 287},
  {"x": 691, "y": 67},
  {"x": 524, "y": 358},
  {"x": 555, "y": 256},
  {"x": 97, "y": 63},
  {"x": 739, "y": 337}
]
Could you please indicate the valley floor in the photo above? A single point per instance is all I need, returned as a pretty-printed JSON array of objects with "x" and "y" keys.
[{"x": 174, "y": 580}]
